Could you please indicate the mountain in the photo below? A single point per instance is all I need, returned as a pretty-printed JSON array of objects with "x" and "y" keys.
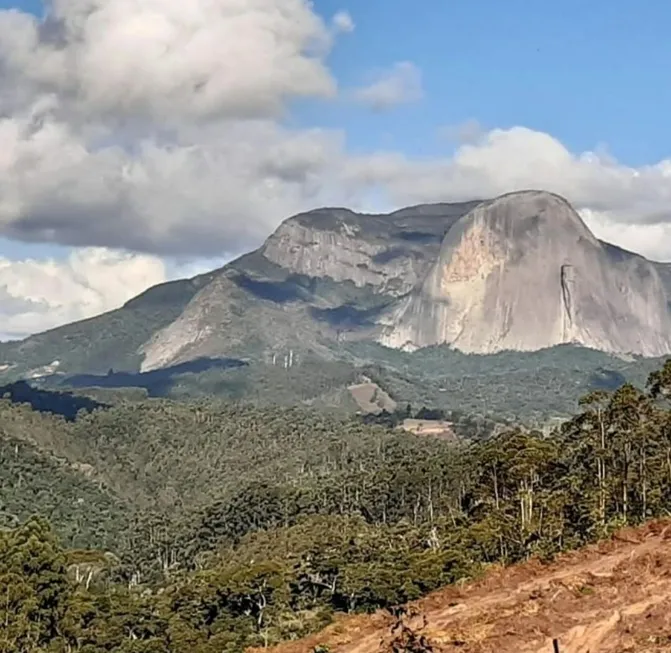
[
  {"x": 524, "y": 272},
  {"x": 521, "y": 272},
  {"x": 322, "y": 274}
]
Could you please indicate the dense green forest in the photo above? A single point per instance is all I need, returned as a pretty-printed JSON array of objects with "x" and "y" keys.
[
  {"x": 524, "y": 386},
  {"x": 529, "y": 387},
  {"x": 165, "y": 526}
]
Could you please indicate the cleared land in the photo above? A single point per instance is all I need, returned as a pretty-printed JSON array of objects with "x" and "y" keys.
[
  {"x": 430, "y": 427},
  {"x": 612, "y": 597},
  {"x": 371, "y": 398}
]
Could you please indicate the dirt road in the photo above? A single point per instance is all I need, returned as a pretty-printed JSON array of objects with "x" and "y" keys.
[{"x": 613, "y": 597}]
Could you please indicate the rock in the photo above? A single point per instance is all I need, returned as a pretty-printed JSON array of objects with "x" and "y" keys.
[
  {"x": 523, "y": 272},
  {"x": 519, "y": 272},
  {"x": 390, "y": 253}
]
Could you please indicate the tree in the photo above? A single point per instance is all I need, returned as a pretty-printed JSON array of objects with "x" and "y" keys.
[{"x": 35, "y": 589}]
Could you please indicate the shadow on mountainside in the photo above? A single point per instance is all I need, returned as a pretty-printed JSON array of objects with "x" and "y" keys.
[
  {"x": 49, "y": 401},
  {"x": 157, "y": 383}
]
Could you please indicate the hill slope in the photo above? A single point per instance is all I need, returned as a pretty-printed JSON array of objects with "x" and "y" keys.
[
  {"x": 35, "y": 481},
  {"x": 611, "y": 597},
  {"x": 521, "y": 272},
  {"x": 110, "y": 340}
]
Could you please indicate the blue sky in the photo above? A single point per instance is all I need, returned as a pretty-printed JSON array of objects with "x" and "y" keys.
[{"x": 589, "y": 73}]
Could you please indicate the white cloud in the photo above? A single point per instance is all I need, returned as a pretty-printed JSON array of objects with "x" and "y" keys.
[
  {"x": 189, "y": 267},
  {"x": 401, "y": 84},
  {"x": 169, "y": 60},
  {"x": 214, "y": 197},
  {"x": 343, "y": 22},
  {"x": 212, "y": 192},
  {"x": 40, "y": 294},
  {"x": 504, "y": 160},
  {"x": 153, "y": 127},
  {"x": 650, "y": 240},
  {"x": 219, "y": 190}
]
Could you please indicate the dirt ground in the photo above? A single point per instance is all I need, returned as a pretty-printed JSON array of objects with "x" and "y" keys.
[
  {"x": 613, "y": 597},
  {"x": 371, "y": 398},
  {"x": 430, "y": 427}
]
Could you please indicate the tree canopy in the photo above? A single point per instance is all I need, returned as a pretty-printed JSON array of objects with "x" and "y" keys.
[{"x": 160, "y": 526}]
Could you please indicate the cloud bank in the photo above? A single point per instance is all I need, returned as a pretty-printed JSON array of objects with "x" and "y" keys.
[
  {"x": 37, "y": 295},
  {"x": 157, "y": 128}
]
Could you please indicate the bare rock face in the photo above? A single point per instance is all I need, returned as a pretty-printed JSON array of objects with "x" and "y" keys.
[
  {"x": 523, "y": 272},
  {"x": 341, "y": 254},
  {"x": 222, "y": 319},
  {"x": 390, "y": 253},
  {"x": 520, "y": 272}
]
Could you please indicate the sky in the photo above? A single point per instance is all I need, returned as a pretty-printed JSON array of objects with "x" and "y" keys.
[{"x": 147, "y": 140}]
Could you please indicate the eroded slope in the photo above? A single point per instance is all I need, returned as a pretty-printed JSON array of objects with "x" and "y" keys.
[{"x": 613, "y": 597}]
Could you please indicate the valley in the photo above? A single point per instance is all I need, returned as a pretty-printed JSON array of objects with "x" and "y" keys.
[
  {"x": 214, "y": 526},
  {"x": 365, "y": 410}
]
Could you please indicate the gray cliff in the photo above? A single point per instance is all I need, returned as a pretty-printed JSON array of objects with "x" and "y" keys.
[
  {"x": 520, "y": 272},
  {"x": 391, "y": 253},
  {"x": 523, "y": 272}
]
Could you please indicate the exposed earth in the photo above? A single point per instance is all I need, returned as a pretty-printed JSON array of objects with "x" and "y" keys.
[
  {"x": 613, "y": 597},
  {"x": 371, "y": 398},
  {"x": 430, "y": 427}
]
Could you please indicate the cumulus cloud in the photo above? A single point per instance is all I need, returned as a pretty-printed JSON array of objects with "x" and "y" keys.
[
  {"x": 205, "y": 193},
  {"x": 169, "y": 60},
  {"x": 155, "y": 127},
  {"x": 650, "y": 240},
  {"x": 401, "y": 84},
  {"x": 219, "y": 191},
  {"x": 40, "y": 294},
  {"x": 152, "y": 126},
  {"x": 343, "y": 22},
  {"x": 504, "y": 160}
]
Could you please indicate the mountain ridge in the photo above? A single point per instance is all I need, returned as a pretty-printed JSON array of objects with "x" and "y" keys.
[
  {"x": 332, "y": 275},
  {"x": 528, "y": 258}
]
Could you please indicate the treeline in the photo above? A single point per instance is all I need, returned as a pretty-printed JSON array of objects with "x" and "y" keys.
[
  {"x": 274, "y": 585},
  {"x": 366, "y": 528}
]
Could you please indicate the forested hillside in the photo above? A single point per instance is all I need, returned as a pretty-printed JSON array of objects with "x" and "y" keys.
[
  {"x": 528, "y": 387},
  {"x": 212, "y": 528}
]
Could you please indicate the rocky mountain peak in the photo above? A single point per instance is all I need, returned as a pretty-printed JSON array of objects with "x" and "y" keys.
[
  {"x": 519, "y": 272},
  {"x": 389, "y": 253},
  {"x": 523, "y": 272}
]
